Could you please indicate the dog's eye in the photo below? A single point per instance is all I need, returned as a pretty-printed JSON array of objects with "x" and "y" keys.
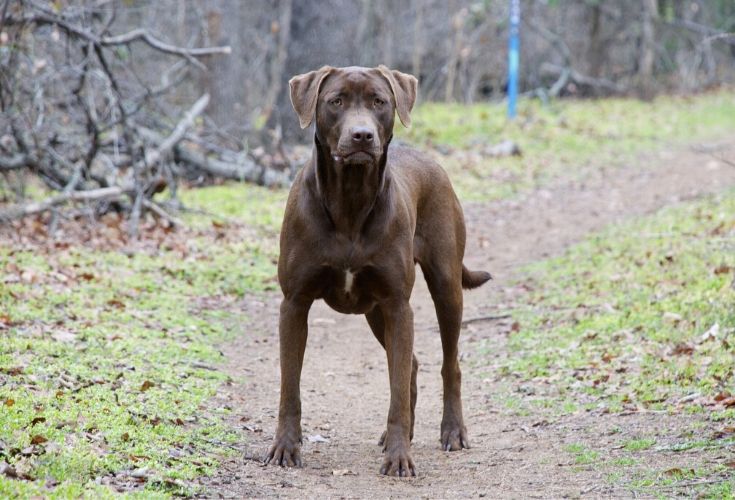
[
  {"x": 378, "y": 102},
  {"x": 336, "y": 102}
]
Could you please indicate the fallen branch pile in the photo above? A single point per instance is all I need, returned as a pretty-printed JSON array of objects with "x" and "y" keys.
[{"x": 80, "y": 110}]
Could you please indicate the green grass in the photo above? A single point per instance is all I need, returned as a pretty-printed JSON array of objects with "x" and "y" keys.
[
  {"x": 562, "y": 138},
  {"x": 110, "y": 358},
  {"x": 582, "y": 455},
  {"x": 639, "y": 444},
  {"x": 247, "y": 204},
  {"x": 639, "y": 315}
]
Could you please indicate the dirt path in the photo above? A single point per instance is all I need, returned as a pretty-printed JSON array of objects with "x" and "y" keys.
[{"x": 345, "y": 381}]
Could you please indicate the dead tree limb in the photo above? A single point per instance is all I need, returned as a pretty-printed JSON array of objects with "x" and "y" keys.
[
  {"x": 167, "y": 144},
  {"x": 577, "y": 77},
  {"x": 46, "y": 17},
  {"x": 20, "y": 211}
]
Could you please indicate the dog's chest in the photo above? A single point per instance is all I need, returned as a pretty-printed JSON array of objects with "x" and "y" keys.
[{"x": 350, "y": 290}]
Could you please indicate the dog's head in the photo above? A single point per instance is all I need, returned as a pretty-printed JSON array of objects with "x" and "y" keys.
[{"x": 354, "y": 108}]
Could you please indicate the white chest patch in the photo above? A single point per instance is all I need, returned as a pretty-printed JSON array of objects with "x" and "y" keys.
[{"x": 349, "y": 278}]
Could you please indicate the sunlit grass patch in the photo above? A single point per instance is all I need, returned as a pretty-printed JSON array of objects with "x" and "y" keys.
[
  {"x": 562, "y": 138},
  {"x": 254, "y": 206}
]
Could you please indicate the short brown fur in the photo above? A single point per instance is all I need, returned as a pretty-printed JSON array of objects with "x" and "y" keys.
[{"x": 360, "y": 215}]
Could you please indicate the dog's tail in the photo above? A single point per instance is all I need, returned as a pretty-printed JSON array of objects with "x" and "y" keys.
[{"x": 473, "y": 279}]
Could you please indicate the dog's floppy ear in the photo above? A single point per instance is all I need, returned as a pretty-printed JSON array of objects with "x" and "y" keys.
[
  {"x": 304, "y": 93},
  {"x": 404, "y": 90}
]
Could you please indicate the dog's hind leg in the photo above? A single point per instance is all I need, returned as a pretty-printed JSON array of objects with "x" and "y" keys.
[
  {"x": 377, "y": 325},
  {"x": 445, "y": 284}
]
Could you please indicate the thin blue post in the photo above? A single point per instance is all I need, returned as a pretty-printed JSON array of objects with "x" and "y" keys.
[{"x": 514, "y": 45}]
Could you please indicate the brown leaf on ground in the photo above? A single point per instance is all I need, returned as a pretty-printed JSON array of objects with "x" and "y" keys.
[
  {"x": 683, "y": 349},
  {"x": 724, "y": 432},
  {"x": 722, "y": 396},
  {"x": 38, "y": 439},
  {"x": 675, "y": 471},
  {"x": 723, "y": 269},
  {"x": 9, "y": 402},
  {"x": 146, "y": 385},
  {"x": 607, "y": 357}
]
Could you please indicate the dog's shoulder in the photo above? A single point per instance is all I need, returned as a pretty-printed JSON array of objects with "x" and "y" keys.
[{"x": 415, "y": 164}]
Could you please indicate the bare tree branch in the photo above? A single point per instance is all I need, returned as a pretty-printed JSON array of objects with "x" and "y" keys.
[{"x": 124, "y": 39}]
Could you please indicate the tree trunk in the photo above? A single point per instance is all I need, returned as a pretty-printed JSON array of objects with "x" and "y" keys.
[{"x": 646, "y": 84}]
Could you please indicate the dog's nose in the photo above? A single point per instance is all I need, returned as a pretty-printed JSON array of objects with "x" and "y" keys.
[{"x": 362, "y": 135}]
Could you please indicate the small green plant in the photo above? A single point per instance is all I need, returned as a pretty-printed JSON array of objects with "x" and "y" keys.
[{"x": 639, "y": 444}]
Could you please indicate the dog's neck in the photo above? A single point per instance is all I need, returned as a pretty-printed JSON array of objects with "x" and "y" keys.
[{"x": 348, "y": 192}]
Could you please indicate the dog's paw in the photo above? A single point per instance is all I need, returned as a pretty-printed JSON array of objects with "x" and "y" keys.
[
  {"x": 285, "y": 452},
  {"x": 454, "y": 438},
  {"x": 381, "y": 441},
  {"x": 398, "y": 462}
]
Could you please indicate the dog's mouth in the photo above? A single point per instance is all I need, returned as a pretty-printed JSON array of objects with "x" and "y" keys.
[{"x": 354, "y": 158}]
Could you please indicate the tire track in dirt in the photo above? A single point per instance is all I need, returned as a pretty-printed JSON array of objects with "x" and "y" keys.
[{"x": 345, "y": 380}]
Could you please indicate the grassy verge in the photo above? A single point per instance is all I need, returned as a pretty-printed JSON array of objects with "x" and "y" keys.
[
  {"x": 561, "y": 138},
  {"x": 107, "y": 358},
  {"x": 638, "y": 318}
]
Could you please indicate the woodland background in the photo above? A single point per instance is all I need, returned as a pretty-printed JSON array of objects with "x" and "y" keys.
[{"x": 123, "y": 98}]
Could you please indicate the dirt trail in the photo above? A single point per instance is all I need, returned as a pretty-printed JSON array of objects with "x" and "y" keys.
[{"x": 345, "y": 380}]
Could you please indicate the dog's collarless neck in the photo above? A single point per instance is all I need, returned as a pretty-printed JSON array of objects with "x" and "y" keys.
[{"x": 348, "y": 193}]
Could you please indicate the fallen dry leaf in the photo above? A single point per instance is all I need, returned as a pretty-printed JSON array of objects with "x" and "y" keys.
[
  {"x": 723, "y": 269},
  {"x": 683, "y": 349},
  {"x": 724, "y": 432},
  {"x": 146, "y": 385},
  {"x": 343, "y": 472},
  {"x": 38, "y": 439},
  {"x": 9, "y": 402},
  {"x": 722, "y": 395}
]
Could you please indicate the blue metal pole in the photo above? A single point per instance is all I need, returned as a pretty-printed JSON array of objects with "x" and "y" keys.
[{"x": 514, "y": 45}]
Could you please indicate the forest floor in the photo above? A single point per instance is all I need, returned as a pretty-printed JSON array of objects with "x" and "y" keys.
[
  {"x": 535, "y": 432},
  {"x": 597, "y": 363}
]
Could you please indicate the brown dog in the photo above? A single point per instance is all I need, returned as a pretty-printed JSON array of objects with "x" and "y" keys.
[{"x": 358, "y": 219}]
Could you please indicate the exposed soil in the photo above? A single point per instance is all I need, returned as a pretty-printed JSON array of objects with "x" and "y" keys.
[{"x": 345, "y": 380}]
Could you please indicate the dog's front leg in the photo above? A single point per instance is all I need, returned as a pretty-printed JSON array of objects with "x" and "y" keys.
[
  {"x": 286, "y": 449},
  {"x": 399, "y": 349}
]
